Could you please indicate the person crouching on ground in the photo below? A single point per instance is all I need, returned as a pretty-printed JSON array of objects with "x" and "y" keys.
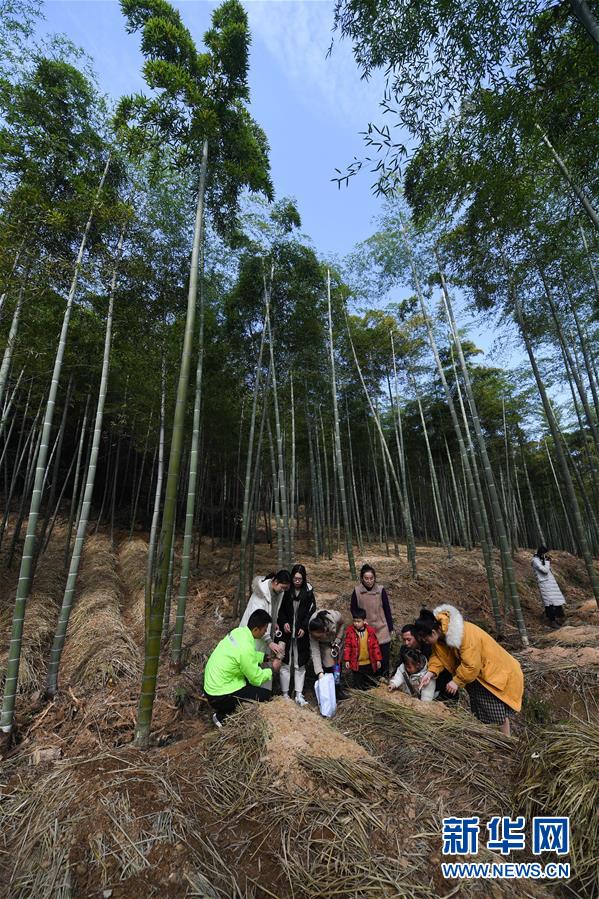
[
  {"x": 410, "y": 674},
  {"x": 362, "y": 653},
  {"x": 327, "y": 630},
  {"x": 297, "y": 606},
  {"x": 492, "y": 677},
  {"x": 410, "y": 641},
  {"x": 552, "y": 596},
  {"x": 233, "y": 673}
]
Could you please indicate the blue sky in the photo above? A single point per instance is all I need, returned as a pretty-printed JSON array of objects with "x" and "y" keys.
[{"x": 311, "y": 106}]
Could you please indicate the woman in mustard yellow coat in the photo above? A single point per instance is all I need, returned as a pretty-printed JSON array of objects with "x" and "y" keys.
[{"x": 492, "y": 677}]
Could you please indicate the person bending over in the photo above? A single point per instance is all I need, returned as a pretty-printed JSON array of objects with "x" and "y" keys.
[
  {"x": 410, "y": 641},
  {"x": 492, "y": 677},
  {"x": 327, "y": 629},
  {"x": 233, "y": 673}
]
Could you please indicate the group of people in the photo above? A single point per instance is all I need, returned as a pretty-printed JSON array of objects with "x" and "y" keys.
[{"x": 282, "y": 629}]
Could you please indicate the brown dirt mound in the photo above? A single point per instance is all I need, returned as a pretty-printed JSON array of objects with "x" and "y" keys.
[
  {"x": 588, "y": 609},
  {"x": 436, "y": 709},
  {"x": 573, "y": 636},
  {"x": 296, "y": 733},
  {"x": 560, "y": 657}
]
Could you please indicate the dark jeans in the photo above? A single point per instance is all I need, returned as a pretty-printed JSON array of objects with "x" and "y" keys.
[
  {"x": 339, "y": 691},
  {"x": 364, "y": 679},
  {"x": 226, "y": 705},
  {"x": 386, "y": 653},
  {"x": 442, "y": 681}
]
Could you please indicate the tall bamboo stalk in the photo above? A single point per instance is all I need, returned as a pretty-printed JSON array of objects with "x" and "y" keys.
[
  {"x": 25, "y": 573},
  {"x": 152, "y": 643},
  {"x": 177, "y": 639},
  {"x": 338, "y": 456},
  {"x": 90, "y": 479},
  {"x": 506, "y": 559},
  {"x": 579, "y": 529}
]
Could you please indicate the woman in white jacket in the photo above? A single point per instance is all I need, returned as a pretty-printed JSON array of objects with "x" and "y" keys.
[
  {"x": 267, "y": 593},
  {"x": 552, "y": 596}
]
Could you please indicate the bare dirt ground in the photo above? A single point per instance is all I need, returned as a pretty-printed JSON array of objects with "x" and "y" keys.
[{"x": 280, "y": 802}]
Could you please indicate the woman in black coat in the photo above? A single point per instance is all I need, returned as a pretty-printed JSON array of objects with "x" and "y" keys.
[{"x": 297, "y": 605}]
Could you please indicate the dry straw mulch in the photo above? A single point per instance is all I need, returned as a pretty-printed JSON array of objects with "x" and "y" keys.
[
  {"x": 41, "y": 613},
  {"x": 99, "y": 647},
  {"x": 559, "y": 776}
]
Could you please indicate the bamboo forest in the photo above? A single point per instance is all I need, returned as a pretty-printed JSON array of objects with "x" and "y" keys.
[{"x": 299, "y": 449}]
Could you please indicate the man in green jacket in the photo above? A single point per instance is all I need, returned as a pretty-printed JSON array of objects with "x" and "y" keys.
[{"x": 233, "y": 673}]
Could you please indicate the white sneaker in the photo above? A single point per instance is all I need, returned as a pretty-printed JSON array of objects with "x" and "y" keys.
[
  {"x": 286, "y": 696},
  {"x": 216, "y": 720},
  {"x": 299, "y": 698}
]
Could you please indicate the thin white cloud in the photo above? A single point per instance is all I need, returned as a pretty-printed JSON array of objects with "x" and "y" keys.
[{"x": 297, "y": 33}]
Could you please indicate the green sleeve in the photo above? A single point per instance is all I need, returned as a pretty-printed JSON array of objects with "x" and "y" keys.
[{"x": 250, "y": 667}]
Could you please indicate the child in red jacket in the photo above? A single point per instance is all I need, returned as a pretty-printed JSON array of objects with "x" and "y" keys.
[{"x": 362, "y": 653}]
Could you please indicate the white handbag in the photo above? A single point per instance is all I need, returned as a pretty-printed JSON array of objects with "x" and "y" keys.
[{"x": 324, "y": 688}]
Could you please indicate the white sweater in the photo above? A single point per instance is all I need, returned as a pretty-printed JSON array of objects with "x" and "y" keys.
[
  {"x": 426, "y": 694},
  {"x": 263, "y": 598}
]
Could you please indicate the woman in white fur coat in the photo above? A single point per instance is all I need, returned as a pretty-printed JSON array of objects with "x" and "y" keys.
[
  {"x": 552, "y": 596},
  {"x": 267, "y": 593}
]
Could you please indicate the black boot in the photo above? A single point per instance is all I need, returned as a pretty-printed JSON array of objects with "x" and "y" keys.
[
  {"x": 550, "y": 613},
  {"x": 560, "y": 615}
]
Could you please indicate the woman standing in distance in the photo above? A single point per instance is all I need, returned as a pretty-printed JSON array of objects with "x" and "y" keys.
[
  {"x": 372, "y": 597},
  {"x": 552, "y": 596},
  {"x": 295, "y": 611}
]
